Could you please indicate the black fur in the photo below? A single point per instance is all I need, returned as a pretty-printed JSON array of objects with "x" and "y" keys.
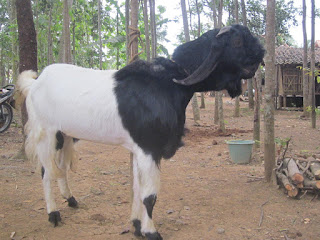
[
  {"x": 137, "y": 227},
  {"x": 42, "y": 172},
  {"x": 153, "y": 236},
  {"x": 152, "y": 107},
  {"x": 149, "y": 202},
  {"x": 54, "y": 217},
  {"x": 241, "y": 50},
  {"x": 60, "y": 140},
  {"x": 72, "y": 202}
]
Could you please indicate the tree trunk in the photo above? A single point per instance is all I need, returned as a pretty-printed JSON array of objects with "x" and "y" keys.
[
  {"x": 27, "y": 50},
  {"x": 269, "y": 145},
  {"x": 221, "y": 118},
  {"x": 146, "y": 28},
  {"x": 249, "y": 81},
  {"x": 133, "y": 50},
  {"x": 244, "y": 13},
  {"x": 14, "y": 47},
  {"x": 118, "y": 48},
  {"x": 127, "y": 15},
  {"x": 2, "y": 70},
  {"x": 312, "y": 67},
  {"x": 50, "y": 52},
  {"x": 203, "y": 105},
  {"x": 133, "y": 30},
  {"x": 65, "y": 46},
  {"x": 237, "y": 100},
  {"x": 194, "y": 101},
  {"x": 27, "y": 36},
  {"x": 220, "y": 102},
  {"x": 216, "y": 108},
  {"x": 306, "y": 101},
  {"x": 256, "y": 118},
  {"x": 153, "y": 28},
  {"x": 214, "y": 14},
  {"x": 99, "y": 33}
]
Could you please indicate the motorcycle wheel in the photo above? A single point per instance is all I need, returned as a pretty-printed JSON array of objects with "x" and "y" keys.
[{"x": 6, "y": 116}]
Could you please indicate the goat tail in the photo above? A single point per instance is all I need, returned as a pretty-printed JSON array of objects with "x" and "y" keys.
[{"x": 25, "y": 81}]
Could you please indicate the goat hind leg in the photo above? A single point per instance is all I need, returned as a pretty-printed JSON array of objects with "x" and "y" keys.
[
  {"x": 66, "y": 158},
  {"x": 54, "y": 214},
  {"x": 65, "y": 191}
]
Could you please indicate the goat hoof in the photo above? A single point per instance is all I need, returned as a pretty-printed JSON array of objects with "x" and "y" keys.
[
  {"x": 137, "y": 227},
  {"x": 54, "y": 217},
  {"x": 72, "y": 202},
  {"x": 154, "y": 236}
]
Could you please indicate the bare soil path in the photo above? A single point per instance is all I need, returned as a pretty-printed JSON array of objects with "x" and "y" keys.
[{"x": 203, "y": 196}]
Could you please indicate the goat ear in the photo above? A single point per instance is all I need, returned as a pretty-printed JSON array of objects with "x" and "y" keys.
[
  {"x": 205, "y": 69},
  {"x": 224, "y": 30}
]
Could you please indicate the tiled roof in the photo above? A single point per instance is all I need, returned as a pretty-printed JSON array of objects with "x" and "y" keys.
[{"x": 290, "y": 55}]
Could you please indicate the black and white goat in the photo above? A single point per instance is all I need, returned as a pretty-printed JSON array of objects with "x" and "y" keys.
[{"x": 141, "y": 107}]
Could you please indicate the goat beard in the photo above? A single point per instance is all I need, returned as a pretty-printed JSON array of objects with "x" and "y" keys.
[{"x": 234, "y": 88}]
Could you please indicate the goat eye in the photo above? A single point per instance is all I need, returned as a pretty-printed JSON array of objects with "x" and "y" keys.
[{"x": 237, "y": 42}]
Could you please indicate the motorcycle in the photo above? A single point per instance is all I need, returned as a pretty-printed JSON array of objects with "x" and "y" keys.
[{"x": 6, "y": 102}]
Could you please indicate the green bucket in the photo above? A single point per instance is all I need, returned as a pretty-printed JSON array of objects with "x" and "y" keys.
[{"x": 240, "y": 150}]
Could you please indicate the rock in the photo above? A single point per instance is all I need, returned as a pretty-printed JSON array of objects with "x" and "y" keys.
[
  {"x": 214, "y": 142},
  {"x": 186, "y": 208},
  {"x": 220, "y": 231},
  {"x": 170, "y": 211}
]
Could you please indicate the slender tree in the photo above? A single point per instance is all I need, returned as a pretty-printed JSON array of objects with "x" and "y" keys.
[
  {"x": 27, "y": 49},
  {"x": 256, "y": 118},
  {"x": 249, "y": 81},
  {"x": 99, "y": 33},
  {"x": 202, "y": 105},
  {"x": 146, "y": 28},
  {"x": 27, "y": 36},
  {"x": 312, "y": 67},
  {"x": 65, "y": 43},
  {"x": 127, "y": 16},
  {"x": 216, "y": 96},
  {"x": 134, "y": 30},
  {"x": 220, "y": 99},
  {"x": 269, "y": 145},
  {"x": 153, "y": 28},
  {"x": 237, "y": 100},
  {"x": 195, "y": 106},
  {"x": 133, "y": 51},
  {"x": 305, "y": 77},
  {"x": 49, "y": 39},
  {"x": 13, "y": 19}
]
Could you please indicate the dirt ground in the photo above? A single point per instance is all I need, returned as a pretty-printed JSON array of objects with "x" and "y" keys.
[{"x": 203, "y": 195}]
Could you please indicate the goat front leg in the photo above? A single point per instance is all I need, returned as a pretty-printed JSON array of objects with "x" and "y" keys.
[
  {"x": 149, "y": 176},
  {"x": 136, "y": 203}
]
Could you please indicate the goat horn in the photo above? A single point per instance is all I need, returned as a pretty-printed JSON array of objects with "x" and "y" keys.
[
  {"x": 224, "y": 30},
  {"x": 204, "y": 70}
]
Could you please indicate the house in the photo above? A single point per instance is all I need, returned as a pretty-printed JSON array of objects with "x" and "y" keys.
[{"x": 289, "y": 82}]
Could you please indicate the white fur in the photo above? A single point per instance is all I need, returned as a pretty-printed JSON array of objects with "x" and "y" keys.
[{"x": 80, "y": 103}]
